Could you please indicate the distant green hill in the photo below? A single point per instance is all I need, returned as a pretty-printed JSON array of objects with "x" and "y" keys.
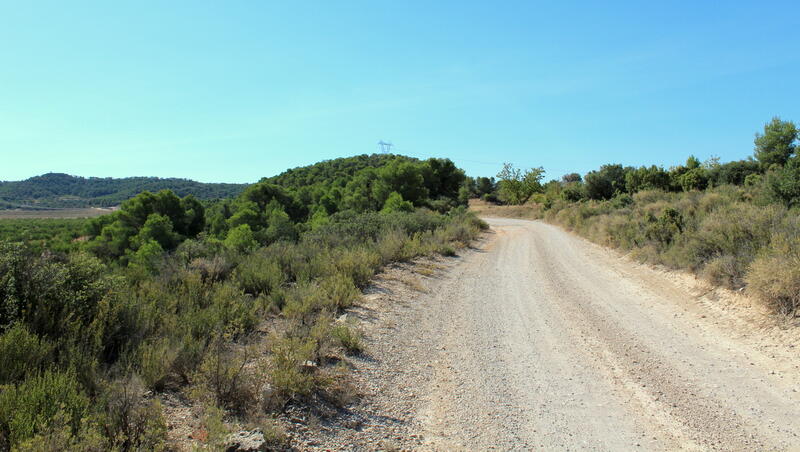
[
  {"x": 337, "y": 172},
  {"x": 57, "y": 190}
]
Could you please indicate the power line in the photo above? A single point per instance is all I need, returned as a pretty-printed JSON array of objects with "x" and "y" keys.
[{"x": 385, "y": 147}]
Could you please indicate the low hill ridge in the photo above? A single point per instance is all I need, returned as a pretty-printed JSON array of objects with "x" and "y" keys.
[{"x": 59, "y": 190}]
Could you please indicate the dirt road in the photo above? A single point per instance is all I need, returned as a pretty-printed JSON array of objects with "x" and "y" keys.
[{"x": 541, "y": 340}]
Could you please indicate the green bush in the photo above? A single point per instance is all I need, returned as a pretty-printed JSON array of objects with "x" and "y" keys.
[
  {"x": 259, "y": 274},
  {"x": 340, "y": 291},
  {"x": 31, "y": 406},
  {"x": 292, "y": 371},
  {"x": 22, "y": 353},
  {"x": 348, "y": 337},
  {"x": 241, "y": 239},
  {"x": 359, "y": 264},
  {"x": 395, "y": 203}
]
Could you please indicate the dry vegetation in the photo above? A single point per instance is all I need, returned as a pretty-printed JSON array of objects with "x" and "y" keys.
[
  {"x": 206, "y": 341},
  {"x": 727, "y": 235},
  {"x": 490, "y": 209},
  {"x": 175, "y": 323}
]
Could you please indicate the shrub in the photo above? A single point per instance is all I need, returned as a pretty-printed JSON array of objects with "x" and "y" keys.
[
  {"x": 22, "y": 353},
  {"x": 211, "y": 269},
  {"x": 129, "y": 420},
  {"x": 775, "y": 276},
  {"x": 52, "y": 295},
  {"x": 33, "y": 405},
  {"x": 156, "y": 360},
  {"x": 784, "y": 183},
  {"x": 605, "y": 182},
  {"x": 59, "y": 436},
  {"x": 391, "y": 246},
  {"x": 224, "y": 375},
  {"x": 348, "y": 337},
  {"x": 694, "y": 179},
  {"x": 304, "y": 302},
  {"x": 147, "y": 257},
  {"x": 395, "y": 203},
  {"x": 340, "y": 290},
  {"x": 739, "y": 231},
  {"x": 664, "y": 229},
  {"x": 290, "y": 374},
  {"x": 241, "y": 239},
  {"x": 280, "y": 226},
  {"x": 359, "y": 264},
  {"x": 259, "y": 274}
]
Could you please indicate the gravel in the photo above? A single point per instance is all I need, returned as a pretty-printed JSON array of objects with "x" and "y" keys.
[{"x": 539, "y": 339}]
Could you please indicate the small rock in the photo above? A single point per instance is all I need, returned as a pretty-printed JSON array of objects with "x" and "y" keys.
[{"x": 246, "y": 441}]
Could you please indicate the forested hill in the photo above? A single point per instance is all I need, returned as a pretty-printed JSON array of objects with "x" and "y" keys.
[
  {"x": 56, "y": 190},
  {"x": 336, "y": 172}
]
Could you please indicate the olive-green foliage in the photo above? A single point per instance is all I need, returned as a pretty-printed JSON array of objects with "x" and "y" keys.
[
  {"x": 130, "y": 421},
  {"x": 161, "y": 217},
  {"x": 481, "y": 186},
  {"x": 289, "y": 374},
  {"x": 259, "y": 273},
  {"x": 241, "y": 239},
  {"x": 613, "y": 180},
  {"x": 395, "y": 203},
  {"x": 516, "y": 186},
  {"x": 31, "y": 406},
  {"x": 22, "y": 353},
  {"x": 348, "y": 337},
  {"x": 776, "y": 144},
  {"x": 358, "y": 184},
  {"x": 147, "y": 257},
  {"x": 222, "y": 374},
  {"x": 694, "y": 179},
  {"x": 721, "y": 233},
  {"x": 43, "y": 233},
  {"x": 644, "y": 178},
  {"x": 733, "y": 173},
  {"x": 605, "y": 182},
  {"x": 90, "y": 328},
  {"x": 51, "y": 294},
  {"x": 784, "y": 183}
]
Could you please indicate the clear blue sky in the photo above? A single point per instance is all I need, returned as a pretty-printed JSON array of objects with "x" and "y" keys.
[{"x": 232, "y": 91}]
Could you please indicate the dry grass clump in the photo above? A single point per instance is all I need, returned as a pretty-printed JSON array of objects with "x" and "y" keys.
[{"x": 775, "y": 275}]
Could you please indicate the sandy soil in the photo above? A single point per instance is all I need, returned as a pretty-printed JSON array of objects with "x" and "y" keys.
[{"x": 538, "y": 339}]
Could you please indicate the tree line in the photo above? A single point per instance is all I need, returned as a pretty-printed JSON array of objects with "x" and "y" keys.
[
  {"x": 774, "y": 164},
  {"x": 57, "y": 190}
]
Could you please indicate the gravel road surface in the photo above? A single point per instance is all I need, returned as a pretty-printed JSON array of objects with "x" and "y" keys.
[{"x": 538, "y": 339}]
